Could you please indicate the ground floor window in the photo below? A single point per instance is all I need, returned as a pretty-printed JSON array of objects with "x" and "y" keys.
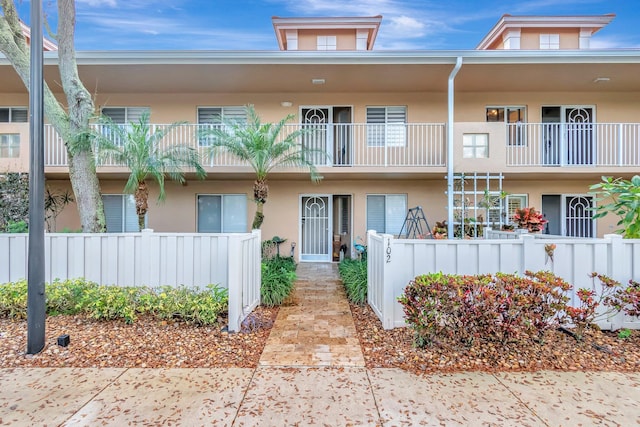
[
  {"x": 120, "y": 213},
  {"x": 515, "y": 202},
  {"x": 386, "y": 212},
  {"x": 222, "y": 213}
]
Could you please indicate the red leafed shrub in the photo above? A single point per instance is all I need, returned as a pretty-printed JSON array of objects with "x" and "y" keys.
[
  {"x": 473, "y": 309},
  {"x": 630, "y": 298},
  {"x": 626, "y": 299},
  {"x": 529, "y": 219},
  {"x": 585, "y": 314}
]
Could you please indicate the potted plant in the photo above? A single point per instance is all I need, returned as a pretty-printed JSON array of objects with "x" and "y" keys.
[{"x": 529, "y": 219}]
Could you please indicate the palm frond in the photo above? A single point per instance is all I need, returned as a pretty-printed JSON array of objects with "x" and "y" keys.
[{"x": 140, "y": 147}]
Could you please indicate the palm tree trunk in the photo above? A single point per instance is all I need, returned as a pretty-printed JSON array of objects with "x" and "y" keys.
[
  {"x": 260, "y": 194},
  {"x": 142, "y": 196},
  {"x": 259, "y": 217}
]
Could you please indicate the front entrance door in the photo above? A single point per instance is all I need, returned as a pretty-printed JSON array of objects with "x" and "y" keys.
[
  {"x": 569, "y": 215},
  {"x": 315, "y": 228}
]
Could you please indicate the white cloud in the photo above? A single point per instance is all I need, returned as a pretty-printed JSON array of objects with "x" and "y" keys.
[
  {"x": 612, "y": 42},
  {"x": 99, "y": 3}
]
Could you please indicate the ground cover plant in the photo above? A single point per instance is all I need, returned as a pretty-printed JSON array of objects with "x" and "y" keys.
[
  {"x": 278, "y": 279},
  {"x": 353, "y": 273},
  {"x": 83, "y": 297}
]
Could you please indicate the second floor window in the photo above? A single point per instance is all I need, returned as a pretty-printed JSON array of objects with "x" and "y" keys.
[
  {"x": 475, "y": 145},
  {"x": 121, "y": 116},
  {"x": 125, "y": 115},
  {"x": 514, "y": 117},
  {"x": 386, "y": 126},
  {"x": 217, "y": 116},
  {"x": 14, "y": 115}
]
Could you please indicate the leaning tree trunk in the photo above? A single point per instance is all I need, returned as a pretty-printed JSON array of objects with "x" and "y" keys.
[
  {"x": 82, "y": 171},
  {"x": 260, "y": 194},
  {"x": 142, "y": 203},
  {"x": 82, "y": 166}
]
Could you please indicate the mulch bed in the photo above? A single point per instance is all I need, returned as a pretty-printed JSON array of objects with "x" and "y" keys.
[
  {"x": 150, "y": 343},
  {"x": 147, "y": 343},
  {"x": 599, "y": 351}
]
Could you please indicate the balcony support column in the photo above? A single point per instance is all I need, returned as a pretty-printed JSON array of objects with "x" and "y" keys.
[{"x": 450, "y": 169}]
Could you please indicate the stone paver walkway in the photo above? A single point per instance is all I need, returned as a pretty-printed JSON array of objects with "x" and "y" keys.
[{"x": 317, "y": 328}]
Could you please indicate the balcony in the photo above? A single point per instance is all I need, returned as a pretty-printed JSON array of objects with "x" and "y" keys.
[
  {"x": 348, "y": 145},
  {"x": 573, "y": 144}
]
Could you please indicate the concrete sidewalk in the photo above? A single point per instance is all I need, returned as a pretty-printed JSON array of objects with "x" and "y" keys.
[
  {"x": 312, "y": 373},
  {"x": 352, "y": 396}
]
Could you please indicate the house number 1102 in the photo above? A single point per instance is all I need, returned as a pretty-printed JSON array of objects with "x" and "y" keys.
[{"x": 388, "y": 251}]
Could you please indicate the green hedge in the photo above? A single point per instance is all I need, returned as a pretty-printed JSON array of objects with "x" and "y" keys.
[
  {"x": 353, "y": 273},
  {"x": 79, "y": 296},
  {"x": 278, "y": 278}
]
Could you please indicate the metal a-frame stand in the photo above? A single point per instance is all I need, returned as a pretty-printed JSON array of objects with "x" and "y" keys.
[{"x": 415, "y": 225}]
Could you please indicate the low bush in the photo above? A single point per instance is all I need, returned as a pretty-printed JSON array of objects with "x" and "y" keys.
[
  {"x": 472, "y": 309},
  {"x": 13, "y": 300},
  {"x": 628, "y": 299},
  {"x": 353, "y": 273},
  {"x": 79, "y": 296},
  {"x": 585, "y": 313},
  {"x": 278, "y": 278}
]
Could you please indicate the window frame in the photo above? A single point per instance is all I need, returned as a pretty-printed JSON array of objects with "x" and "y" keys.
[
  {"x": 127, "y": 113},
  {"x": 548, "y": 41},
  {"x": 386, "y": 196},
  {"x": 516, "y": 136},
  {"x": 222, "y": 201},
  {"x": 326, "y": 42},
  {"x": 204, "y": 141},
  {"x": 474, "y": 146},
  {"x": 10, "y": 114},
  {"x": 12, "y": 150},
  {"x": 123, "y": 224},
  {"x": 524, "y": 198},
  {"x": 373, "y": 138}
]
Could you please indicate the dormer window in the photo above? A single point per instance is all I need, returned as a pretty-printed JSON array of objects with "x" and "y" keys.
[
  {"x": 549, "y": 41},
  {"x": 326, "y": 43}
]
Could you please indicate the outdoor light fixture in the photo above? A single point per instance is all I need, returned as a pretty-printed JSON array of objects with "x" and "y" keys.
[
  {"x": 317, "y": 81},
  {"x": 286, "y": 104},
  {"x": 601, "y": 79}
]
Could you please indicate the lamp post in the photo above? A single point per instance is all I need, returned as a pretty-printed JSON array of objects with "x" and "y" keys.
[{"x": 36, "y": 308}]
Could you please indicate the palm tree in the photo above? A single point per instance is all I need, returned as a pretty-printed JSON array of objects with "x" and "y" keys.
[
  {"x": 263, "y": 147},
  {"x": 141, "y": 150}
]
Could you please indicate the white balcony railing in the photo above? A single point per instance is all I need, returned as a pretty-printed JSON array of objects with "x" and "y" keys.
[
  {"x": 573, "y": 144},
  {"x": 379, "y": 145}
]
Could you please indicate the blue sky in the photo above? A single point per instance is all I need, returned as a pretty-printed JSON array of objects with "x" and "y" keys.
[{"x": 246, "y": 24}]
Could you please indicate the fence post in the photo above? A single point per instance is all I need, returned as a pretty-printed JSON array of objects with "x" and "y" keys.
[
  {"x": 528, "y": 257},
  {"x": 388, "y": 261},
  {"x": 257, "y": 265},
  {"x": 615, "y": 270},
  {"x": 234, "y": 282},
  {"x": 148, "y": 259}
]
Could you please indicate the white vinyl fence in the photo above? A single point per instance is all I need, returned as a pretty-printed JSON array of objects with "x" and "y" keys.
[
  {"x": 231, "y": 261},
  {"x": 393, "y": 263}
]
